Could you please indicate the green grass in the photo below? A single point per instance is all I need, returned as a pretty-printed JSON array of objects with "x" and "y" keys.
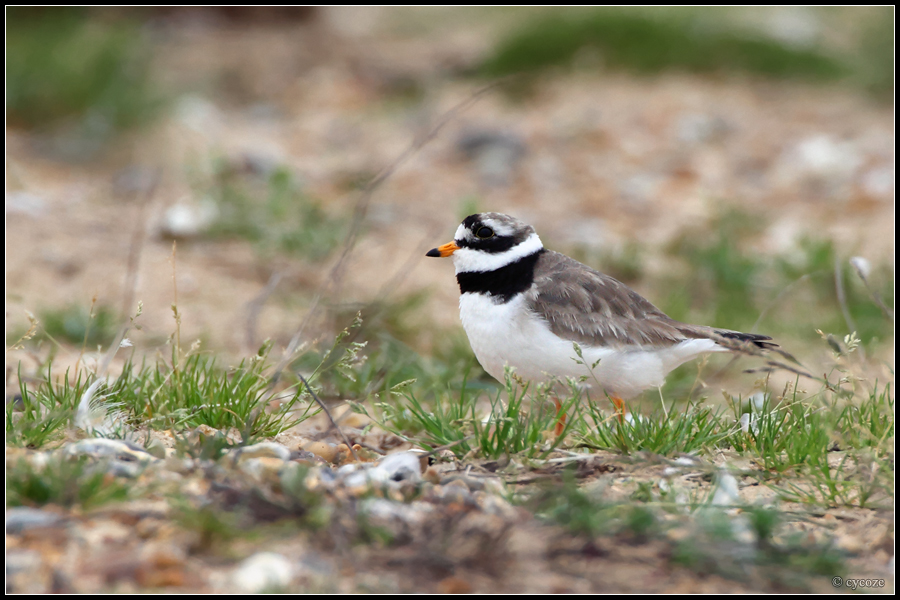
[
  {"x": 519, "y": 424},
  {"x": 178, "y": 395},
  {"x": 625, "y": 264},
  {"x": 817, "y": 444},
  {"x": 728, "y": 285},
  {"x": 79, "y": 325},
  {"x": 876, "y": 53},
  {"x": 46, "y": 410},
  {"x": 746, "y": 546},
  {"x": 686, "y": 429},
  {"x": 271, "y": 210},
  {"x": 64, "y": 482},
  {"x": 637, "y": 42},
  {"x": 64, "y": 65},
  {"x": 714, "y": 547},
  {"x": 199, "y": 392}
]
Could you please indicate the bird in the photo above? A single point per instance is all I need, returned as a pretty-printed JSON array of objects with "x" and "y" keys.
[{"x": 550, "y": 317}]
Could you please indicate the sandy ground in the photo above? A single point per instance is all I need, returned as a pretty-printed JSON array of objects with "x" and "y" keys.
[{"x": 607, "y": 160}]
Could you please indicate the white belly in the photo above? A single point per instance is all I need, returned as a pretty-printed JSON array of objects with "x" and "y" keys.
[{"x": 508, "y": 334}]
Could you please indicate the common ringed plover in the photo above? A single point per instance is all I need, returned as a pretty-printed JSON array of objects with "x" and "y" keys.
[{"x": 525, "y": 306}]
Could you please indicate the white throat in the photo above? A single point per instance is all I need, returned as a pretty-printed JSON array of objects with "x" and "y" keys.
[{"x": 471, "y": 260}]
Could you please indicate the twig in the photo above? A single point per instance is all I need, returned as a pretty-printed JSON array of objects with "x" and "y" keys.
[
  {"x": 175, "y": 304},
  {"x": 359, "y": 214},
  {"x": 777, "y": 299},
  {"x": 735, "y": 357},
  {"x": 138, "y": 239},
  {"x": 842, "y": 298},
  {"x": 448, "y": 446},
  {"x": 328, "y": 414},
  {"x": 876, "y": 297},
  {"x": 82, "y": 414},
  {"x": 372, "y": 448},
  {"x": 255, "y": 306},
  {"x": 403, "y": 272},
  {"x": 378, "y": 305}
]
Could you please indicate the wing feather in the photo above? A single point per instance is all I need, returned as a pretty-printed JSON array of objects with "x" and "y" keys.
[{"x": 588, "y": 307}]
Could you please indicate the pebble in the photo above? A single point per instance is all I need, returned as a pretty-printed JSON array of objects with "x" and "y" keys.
[
  {"x": 25, "y": 572},
  {"x": 105, "y": 448},
  {"x": 263, "y": 449},
  {"x": 156, "y": 448},
  {"x": 134, "y": 179},
  {"x": 23, "y": 518},
  {"x": 323, "y": 450},
  {"x": 401, "y": 466},
  {"x": 454, "y": 585},
  {"x": 699, "y": 128},
  {"x": 264, "y": 571},
  {"x": 398, "y": 518},
  {"x": 496, "y": 154},
  {"x": 394, "y": 468},
  {"x": 25, "y": 203},
  {"x": 726, "y": 491},
  {"x": 317, "y": 479},
  {"x": 262, "y": 467},
  {"x": 879, "y": 183},
  {"x": 187, "y": 220}
]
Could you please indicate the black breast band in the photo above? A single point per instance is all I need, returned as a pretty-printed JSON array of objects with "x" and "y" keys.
[{"x": 503, "y": 283}]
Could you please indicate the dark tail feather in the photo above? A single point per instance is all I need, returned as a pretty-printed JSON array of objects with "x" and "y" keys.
[
  {"x": 737, "y": 339},
  {"x": 760, "y": 341}
]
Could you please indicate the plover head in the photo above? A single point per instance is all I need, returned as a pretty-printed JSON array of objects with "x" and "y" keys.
[{"x": 489, "y": 241}]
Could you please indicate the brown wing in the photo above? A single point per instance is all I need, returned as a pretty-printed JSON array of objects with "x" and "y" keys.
[{"x": 591, "y": 308}]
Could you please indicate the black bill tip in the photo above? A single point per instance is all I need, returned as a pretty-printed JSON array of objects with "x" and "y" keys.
[{"x": 434, "y": 252}]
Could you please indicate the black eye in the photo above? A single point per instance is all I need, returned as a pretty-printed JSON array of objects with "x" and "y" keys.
[{"x": 484, "y": 232}]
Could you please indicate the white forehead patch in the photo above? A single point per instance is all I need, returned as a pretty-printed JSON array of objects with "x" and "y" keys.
[{"x": 461, "y": 233}]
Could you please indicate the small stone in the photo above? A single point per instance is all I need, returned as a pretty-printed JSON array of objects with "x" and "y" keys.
[
  {"x": 118, "y": 468},
  {"x": 183, "y": 220},
  {"x": 494, "y": 505},
  {"x": 862, "y": 266},
  {"x": 699, "y": 128},
  {"x": 260, "y": 468},
  {"x": 494, "y": 486},
  {"x": 23, "y": 518},
  {"x": 134, "y": 179},
  {"x": 264, "y": 449},
  {"x": 402, "y": 466},
  {"x": 182, "y": 466},
  {"x": 878, "y": 183},
  {"x": 264, "y": 571},
  {"x": 25, "y": 202},
  {"x": 432, "y": 475},
  {"x": 726, "y": 491},
  {"x": 156, "y": 448},
  {"x": 454, "y": 585},
  {"x": 319, "y": 478},
  {"x": 18, "y": 405},
  {"x": 496, "y": 154},
  {"x": 457, "y": 482},
  {"x": 25, "y": 572},
  {"x": 324, "y": 451},
  {"x": 120, "y": 450},
  {"x": 453, "y": 494}
]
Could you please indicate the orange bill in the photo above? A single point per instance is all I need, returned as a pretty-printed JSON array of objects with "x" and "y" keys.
[{"x": 443, "y": 251}]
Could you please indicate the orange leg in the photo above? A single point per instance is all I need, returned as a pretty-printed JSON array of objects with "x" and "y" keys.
[
  {"x": 620, "y": 407},
  {"x": 560, "y": 417}
]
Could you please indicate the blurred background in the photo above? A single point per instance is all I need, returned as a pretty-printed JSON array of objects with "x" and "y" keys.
[{"x": 727, "y": 163}]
